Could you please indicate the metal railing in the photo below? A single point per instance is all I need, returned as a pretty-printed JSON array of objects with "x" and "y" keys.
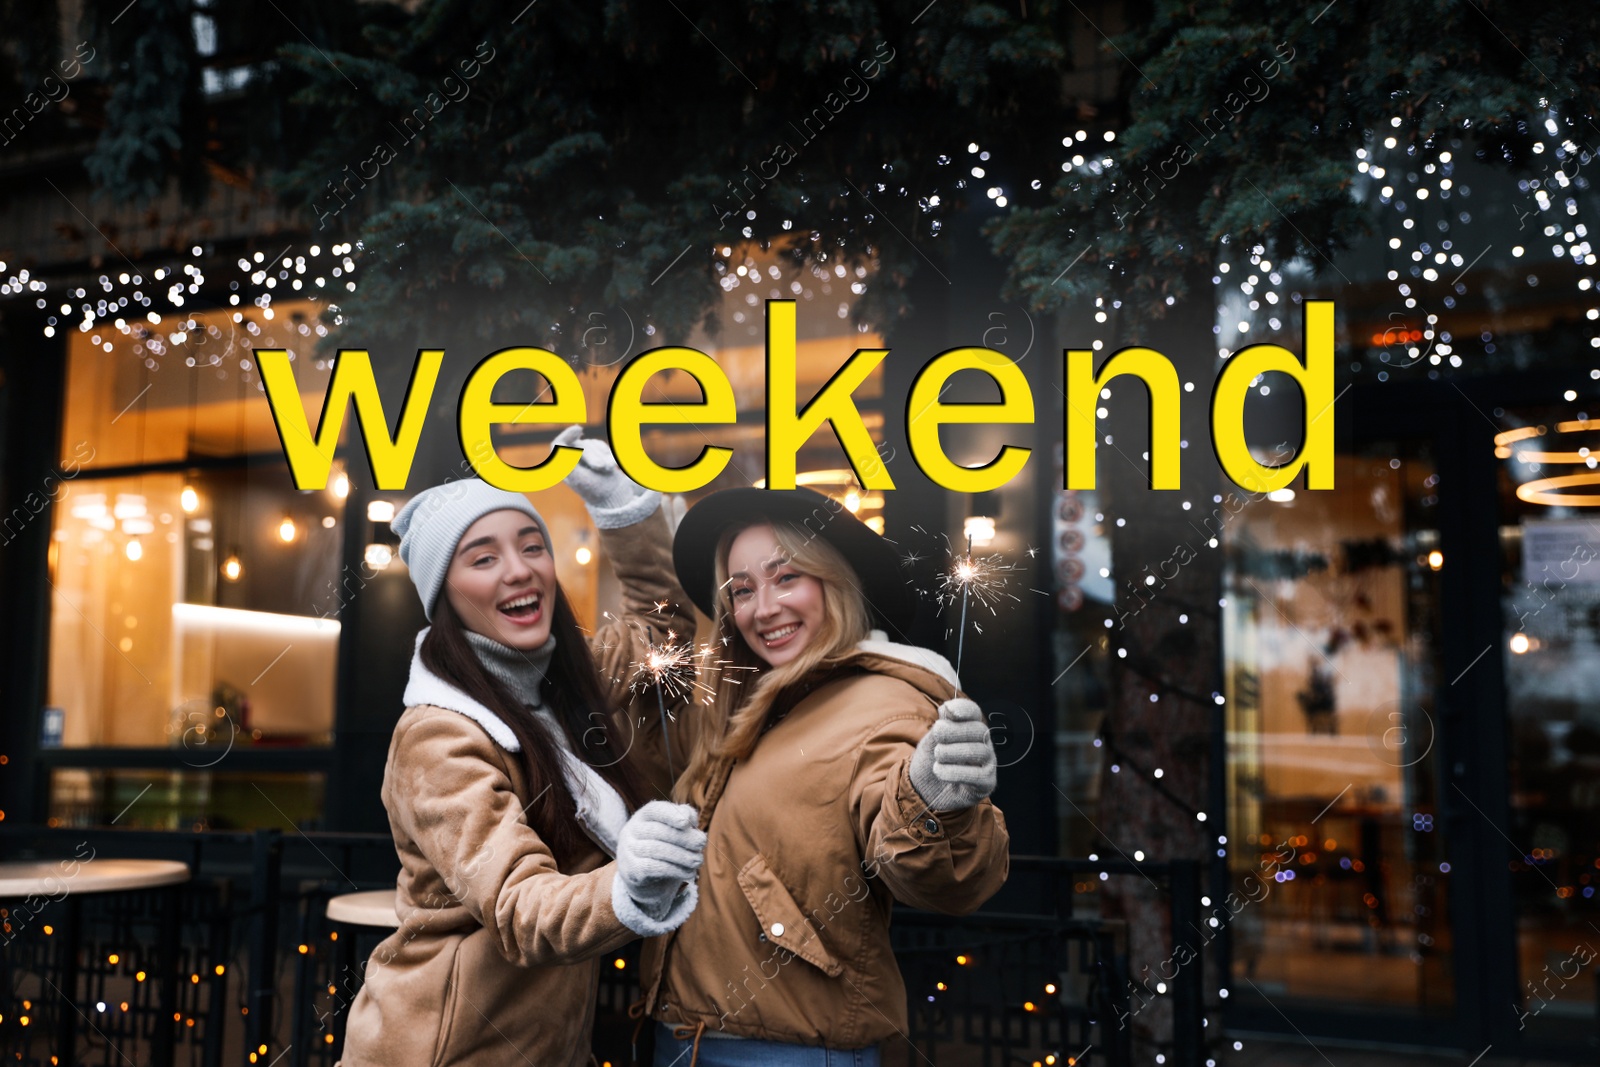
[
  {"x": 241, "y": 965},
  {"x": 1031, "y": 975}
]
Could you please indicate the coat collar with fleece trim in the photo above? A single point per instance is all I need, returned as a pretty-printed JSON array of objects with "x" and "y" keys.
[
  {"x": 425, "y": 687},
  {"x": 910, "y": 663},
  {"x": 924, "y": 670}
]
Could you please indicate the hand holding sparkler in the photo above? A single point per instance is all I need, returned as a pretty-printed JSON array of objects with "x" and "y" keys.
[
  {"x": 954, "y": 765},
  {"x": 659, "y": 852}
]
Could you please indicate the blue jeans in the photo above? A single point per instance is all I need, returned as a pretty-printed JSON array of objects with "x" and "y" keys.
[{"x": 748, "y": 1052}]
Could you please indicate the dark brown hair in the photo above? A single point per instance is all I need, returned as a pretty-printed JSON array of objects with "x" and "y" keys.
[{"x": 571, "y": 690}]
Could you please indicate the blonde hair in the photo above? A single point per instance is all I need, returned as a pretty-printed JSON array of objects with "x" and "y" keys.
[{"x": 745, "y": 687}]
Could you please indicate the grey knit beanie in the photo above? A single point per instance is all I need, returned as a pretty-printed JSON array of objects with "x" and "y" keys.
[{"x": 433, "y": 522}]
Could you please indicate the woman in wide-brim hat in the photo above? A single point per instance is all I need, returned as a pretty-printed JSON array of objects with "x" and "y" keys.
[
  {"x": 837, "y": 772},
  {"x": 526, "y": 849}
]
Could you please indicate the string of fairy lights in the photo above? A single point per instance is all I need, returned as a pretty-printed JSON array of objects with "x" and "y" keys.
[
  {"x": 1416, "y": 180},
  {"x": 1423, "y": 208},
  {"x": 1413, "y": 182},
  {"x": 122, "y": 969},
  {"x": 147, "y": 307},
  {"x": 1403, "y": 175}
]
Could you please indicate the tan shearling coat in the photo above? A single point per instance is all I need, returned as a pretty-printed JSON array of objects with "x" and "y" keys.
[
  {"x": 496, "y": 960},
  {"x": 811, "y": 841}
]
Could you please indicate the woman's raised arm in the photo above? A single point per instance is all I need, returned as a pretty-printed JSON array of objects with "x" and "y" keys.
[{"x": 637, "y": 540}]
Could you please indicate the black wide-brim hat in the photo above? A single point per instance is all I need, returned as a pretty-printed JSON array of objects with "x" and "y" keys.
[{"x": 873, "y": 559}]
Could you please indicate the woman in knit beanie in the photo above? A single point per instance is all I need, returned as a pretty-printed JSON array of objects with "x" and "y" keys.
[{"x": 527, "y": 850}]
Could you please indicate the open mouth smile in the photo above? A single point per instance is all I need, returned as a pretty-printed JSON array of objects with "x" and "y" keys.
[
  {"x": 779, "y": 637},
  {"x": 524, "y": 610}
]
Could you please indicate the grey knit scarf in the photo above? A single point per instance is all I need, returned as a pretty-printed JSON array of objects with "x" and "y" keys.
[{"x": 522, "y": 673}]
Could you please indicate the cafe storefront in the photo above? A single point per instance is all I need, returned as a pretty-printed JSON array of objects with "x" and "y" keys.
[{"x": 197, "y": 649}]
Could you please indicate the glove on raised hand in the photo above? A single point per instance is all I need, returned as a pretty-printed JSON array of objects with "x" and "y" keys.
[
  {"x": 954, "y": 766},
  {"x": 659, "y": 849},
  {"x": 614, "y": 499}
]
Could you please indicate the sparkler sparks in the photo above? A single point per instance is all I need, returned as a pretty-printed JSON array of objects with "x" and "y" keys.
[
  {"x": 985, "y": 579},
  {"x": 980, "y": 578},
  {"x": 669, "y": 668},
  {"x": 677, "y": 671},
  {"x": 658, "y": 666}
]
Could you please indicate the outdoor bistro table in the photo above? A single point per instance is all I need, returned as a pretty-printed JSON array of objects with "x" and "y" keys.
[
  {"x": 48, "y": 879},
  {"x": 375, "y": 908}
]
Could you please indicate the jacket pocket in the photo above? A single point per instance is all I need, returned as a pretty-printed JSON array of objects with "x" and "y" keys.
[
  {"x": 447, "y": 1016},
  {"x": 781, "y": 919}
]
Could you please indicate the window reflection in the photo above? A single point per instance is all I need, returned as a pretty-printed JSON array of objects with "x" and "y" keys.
[
  {"x": 181, "y": 388},
  {"x": 151, "y": 640},
  {"x": 187, "y": 800},
  {"x": 1330, "y": 638},
  {"x": 1550, "y": 545}
]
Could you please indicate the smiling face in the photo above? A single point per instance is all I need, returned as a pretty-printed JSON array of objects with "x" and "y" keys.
[
  {"x": 777, "y": 609},
  {"x": 502, "y": 580}
]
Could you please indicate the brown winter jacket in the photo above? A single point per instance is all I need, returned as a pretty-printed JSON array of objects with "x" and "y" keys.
[
  {"x": 497, "y": 957},
  {"x": 811, "y": 840}
]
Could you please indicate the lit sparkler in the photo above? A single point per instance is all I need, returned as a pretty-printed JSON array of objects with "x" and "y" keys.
[
  {"x": 980, "y": 578},
  {"x": 964, "y": 572},
  {"x": 680, "y": 671},
  {"x": 664, "y": 667},
  {"x": 669, "y": 668}
]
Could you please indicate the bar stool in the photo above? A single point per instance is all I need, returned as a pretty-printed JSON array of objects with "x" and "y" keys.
[{"x": 374, "y": 909}]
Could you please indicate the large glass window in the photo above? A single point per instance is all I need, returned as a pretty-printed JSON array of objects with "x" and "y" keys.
[
  {"x": 179, "y": 596},
  {"x": 194, "y": 591},
  {"x": 1550, "y": 543},
  {"x": 1331, "y": 645}
]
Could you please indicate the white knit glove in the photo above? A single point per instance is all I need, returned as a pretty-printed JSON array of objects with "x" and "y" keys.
[
  {"x": 660, "y": 848},
  {"x": 954, "y": 766},
  {"x": 614, "y": 500}
]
